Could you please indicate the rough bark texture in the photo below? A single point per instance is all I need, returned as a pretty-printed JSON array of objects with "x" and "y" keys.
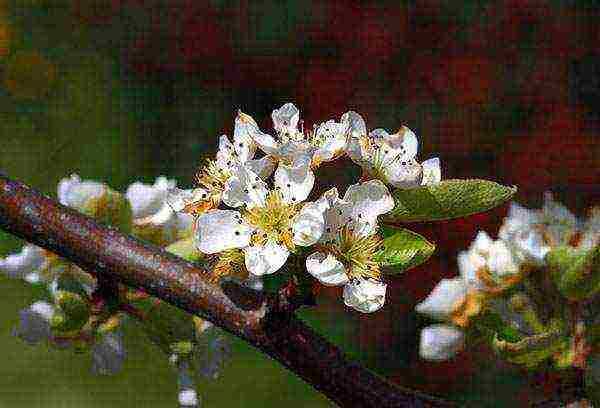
[{"x": 256, "y": 318}]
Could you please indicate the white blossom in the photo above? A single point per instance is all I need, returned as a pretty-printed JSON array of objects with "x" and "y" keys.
[
  {"x": 269, "y": 223},
  {"x": 75, "y": 193},
  {"x": 349, "y": 243},
  {"x": 446, "y": 297},
  {"x": 392, "y": 158}
]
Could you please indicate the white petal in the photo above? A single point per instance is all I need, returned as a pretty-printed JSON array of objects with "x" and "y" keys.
[
  {"x": 147, "y": 199},
  {"x": 482, "y": 243},
  {"x": 366, "y": 296},
  {"x": 219, "y": 230},
  {"x": 355, "y": 123},
  {"x": 263, "y": 167},
  {"x": 405, "y": 141},
  {"x": 432, "y": 172},
  {"x": 265, "y": 259},
  {"x": 335, "y": 215},
  {"x": 243, "y": 137},
  {"x": 327, "y": 269},
  {"x": 440, "y": 342},
  {"x": 179, "y": 199},
  {"x": 295, "y": 182},
  {"x": 245, "y": 188},
  {"x": 285, "y": 119},
  {"x": 367, "y": 201},
  {"x": 20, "y": 265},
  {"x": 74, "y": 193},
  {"x": 330, "y": 138},
  {"x": 468, "y": 264},
  {"x": 444, "y": 298},
  {"x": 403, "y": 173},
  {"x": 501, "y": 261},
  {"x": 290, "y": 151},
  {"x": 309, "y": 223},
  {"x": 226, "y": 155},
  {"x": 267, "y": 143}
]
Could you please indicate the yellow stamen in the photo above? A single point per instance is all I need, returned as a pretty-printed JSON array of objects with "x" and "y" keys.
[
  {"x": 356, "y": 253},
  {"x": 229, "y": 263},
  {"x": 273, "y": 221}
]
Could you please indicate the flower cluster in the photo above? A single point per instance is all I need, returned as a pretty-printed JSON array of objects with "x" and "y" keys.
[
  {"x": 77, "y": 311},
  {"x": 532, "y": 294},
  {"x": 253, "y": 213}
]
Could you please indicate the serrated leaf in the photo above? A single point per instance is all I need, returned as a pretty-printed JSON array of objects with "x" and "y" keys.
[
  {"x": 448, "y": 199},
  {"x": 402, "y": 249}
]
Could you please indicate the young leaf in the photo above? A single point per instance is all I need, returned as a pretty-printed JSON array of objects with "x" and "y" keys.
[
  {"x": 448, "y": 199},
  {"x": 403, "y": 249},
  {"x": 531, "y": 350}
]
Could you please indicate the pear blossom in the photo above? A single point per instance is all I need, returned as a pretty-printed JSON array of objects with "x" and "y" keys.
[
  {"x": 391, "y": 158},
  {"x": 213, "y": 177},
  {"x": 357, "y": 129},
  {"x": 269, "y": 224},
  {"x": 346, "y": 249},
  {"x": 152, "y": 213},
  {"x": 488, "y": 265},
  {"x": 75, "y": 193},
  {"x": 440, "y": 342},
  {"x": 531, "y": 234},
  {"x": 326, "y": 142}
]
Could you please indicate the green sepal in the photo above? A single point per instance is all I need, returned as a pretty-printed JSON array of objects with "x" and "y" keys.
[
  {"x": 576, "y": 273},
  {"x": 75, "y": 311},
  {"x": 489, "y": 325},
  {"x": 448, "y": 199},
  {"x": 402, "y": 250},
  {"x": 532, "y": 350},
  {"x": 186, "y": 249}
]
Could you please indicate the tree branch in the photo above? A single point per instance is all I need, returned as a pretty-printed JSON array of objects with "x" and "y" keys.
[{"x": 259, "y": 319}]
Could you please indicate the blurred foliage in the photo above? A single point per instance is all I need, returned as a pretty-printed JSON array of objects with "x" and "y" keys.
[{"x": 127, "y": 90}]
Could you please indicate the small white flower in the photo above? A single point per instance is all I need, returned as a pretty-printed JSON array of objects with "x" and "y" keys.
[
  {"x": 108, "y": 355},
  {"x": 34, "y": 322},
  {"x": 154, "y": 210},
  {"x": 285, "y": 121},
  {"x": 75, "y": 193},
  {"x": 531, "y": 234},
  {"x": 269, "y": 225},
  {"x": 349, "y": 243},
  {"x": 188, "y": 398},
  {"x": 365, "y": 295},
  {"x": 488, "y": 264},
  {"x": 391, "y": 158},
  {"x": 440, "y": 342},
  {"x": 25, "y": 264}
]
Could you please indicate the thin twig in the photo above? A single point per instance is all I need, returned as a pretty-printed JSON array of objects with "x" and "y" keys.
[{"x": 256, "y": 318}]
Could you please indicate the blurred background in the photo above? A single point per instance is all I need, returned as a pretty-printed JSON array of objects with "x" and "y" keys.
[{"x": 125, "y": 90}]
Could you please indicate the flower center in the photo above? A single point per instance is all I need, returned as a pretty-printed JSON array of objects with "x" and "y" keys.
[
  {"x": 273, "y": 221},
  {"x": 356, "y": 253},
  {"x": 229, "y": 263},
  {"x": 213, "y": 178}
]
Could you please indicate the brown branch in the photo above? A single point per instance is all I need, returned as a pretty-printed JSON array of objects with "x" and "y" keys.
[{"x": 257, "y": 318}]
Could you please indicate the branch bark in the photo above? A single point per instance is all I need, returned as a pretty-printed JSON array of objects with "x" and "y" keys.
[{"x": 259, "y": 319}]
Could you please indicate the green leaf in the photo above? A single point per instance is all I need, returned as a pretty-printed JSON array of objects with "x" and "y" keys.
[
  {"x": 448, "y": 199},
  {"x": 403, "y": 249},
  {"x": 186, "y": 249}
]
